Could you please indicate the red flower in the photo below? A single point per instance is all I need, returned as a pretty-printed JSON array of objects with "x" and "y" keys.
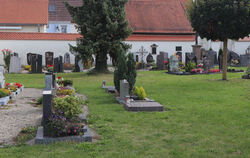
[
  {"x": 7, "y": 84},
  {"x": 165, "y": 62},
  {"x": 58, "y": 78}
]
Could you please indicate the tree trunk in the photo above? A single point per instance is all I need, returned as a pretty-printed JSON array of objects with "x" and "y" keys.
[
  {"x": 224, "y": 67},
  {"x": 101, "y": 63}
]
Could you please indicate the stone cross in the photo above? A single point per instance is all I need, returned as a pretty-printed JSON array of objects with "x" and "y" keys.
[
  {"x": 124, "y": 89},
  {"x": 142, "y": 52}
]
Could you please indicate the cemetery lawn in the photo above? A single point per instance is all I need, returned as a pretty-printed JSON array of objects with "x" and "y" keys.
[{"x": 205, "y": 117}]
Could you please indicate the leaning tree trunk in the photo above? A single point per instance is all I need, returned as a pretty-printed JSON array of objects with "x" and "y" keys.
[
  {"x": 101, "y": 63},
  {"x": 224, "y": 65}
]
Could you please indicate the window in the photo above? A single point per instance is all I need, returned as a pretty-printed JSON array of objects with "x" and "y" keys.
[
  {"x": 51, "y": 8},
  {"x": 154, "y": 48},
  {"x": 63, "y": 28},
  {"x": 178, "y": 48}
]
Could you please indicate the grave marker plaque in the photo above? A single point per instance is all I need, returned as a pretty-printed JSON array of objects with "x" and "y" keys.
[
  {"x": 49, "y": 58},
  {"x": 56, "y": 65}
]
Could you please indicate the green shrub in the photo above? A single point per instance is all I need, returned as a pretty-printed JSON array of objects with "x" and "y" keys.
[
  {"x": 40, "y": 100},
  {"x": 190, "y": 66},
  {"x": 140, "y": 92},
  {"x": 71, "y": 106},
  {"x": 67, "y": 83},
  {"x": 131, "y": 71},
  {"x": 121, "y": 70},
  {"x": 3, "y": 93},
  {"x": 50, "y": 69}
]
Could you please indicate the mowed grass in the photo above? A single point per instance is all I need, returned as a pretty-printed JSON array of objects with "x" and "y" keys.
[{"x": 205, "y": 117}]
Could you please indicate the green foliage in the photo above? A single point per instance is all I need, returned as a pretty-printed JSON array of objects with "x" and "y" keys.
[
  {"x": 26, "y": 134},
  {"x": 131, "y": 72},
  {"x": 67, "y": 83},
  {"x": 140, "y": 92},
  {"x": 190, "y": 66},
  {"x": 220, "y": 19},
  {"x": 121, "y": 70},
  {"x": 50, "y": 69},
  {"x": 40, "y": 100},
  {"x": 71, "y": 106},
  {"x": 104, "y": 26},
  {"x": 3, "y": 93},
  {"x": 65, "y": 92}
]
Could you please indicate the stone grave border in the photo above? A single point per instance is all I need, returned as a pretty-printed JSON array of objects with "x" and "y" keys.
[
  {"x": 127, "y": 104},
  {"x": 4, "y": 100},
  {"x": 188, "y": 73},
  {"x": 48, "y": 92}
]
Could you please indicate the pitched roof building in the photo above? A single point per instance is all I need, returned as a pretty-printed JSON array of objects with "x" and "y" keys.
[{"x": 23, "y": 15}]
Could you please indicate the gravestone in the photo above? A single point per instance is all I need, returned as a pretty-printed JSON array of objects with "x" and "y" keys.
[
  {"x": 179, "y": 55},
  {"x": 244, "y": 60},
  {"x": 2, "y": 78},
  {"x": 232, "y": 56},
  {"x": 173, "y": 64},
  {"x": 150, "y": 58},
  {"x": 36, "y": 63},
  {"x": 66, "y": 58},
  {"x": 220, "y": 61},
  {"x": 29, "y": 58},
  {"x": 212, "y": 57},
  {"x": 190, "y": 57},
  {"x": 124, "y": 89},
  {"x": 47, "y": 109},
  {"x": 60, "y": 64},
  {"x": 161, "y": 59},
  {"x": 80, "y": 64},
  {"x": 56, "y": 65},
  {"x": 206, "y": 63},
  {"x": 15, "y": 64},
  {"x": 48, "y": 81},
  {"x": 77, "y": 68},
  {"x": 49, "y": 58}
]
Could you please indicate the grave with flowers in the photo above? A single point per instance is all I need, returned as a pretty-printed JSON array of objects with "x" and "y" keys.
[{"x": 63, "y": 116}]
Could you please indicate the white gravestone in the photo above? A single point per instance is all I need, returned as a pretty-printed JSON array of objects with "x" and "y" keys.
[{"x": 15, "y": 64}]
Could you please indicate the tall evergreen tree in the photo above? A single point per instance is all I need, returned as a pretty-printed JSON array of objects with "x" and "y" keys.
[
  {"x": 104, "y": 27},
  {"x": 220, "y": 20}
]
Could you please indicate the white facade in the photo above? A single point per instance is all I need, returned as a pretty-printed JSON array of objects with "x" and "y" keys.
[{"x": 60, "y": 47}]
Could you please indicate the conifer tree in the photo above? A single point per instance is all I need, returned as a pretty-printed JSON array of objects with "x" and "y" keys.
[{"x": 104, "y": 27}]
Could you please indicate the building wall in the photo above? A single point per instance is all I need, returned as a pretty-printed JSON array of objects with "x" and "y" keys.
[
  {"x": 33, "y": 28},
  {"x": 22, "y": 47}
]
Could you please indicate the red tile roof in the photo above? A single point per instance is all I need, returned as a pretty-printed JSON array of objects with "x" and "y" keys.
[
  {"x": 145, "y": 16},
  {"x": 61, "y": 13},
  {"x": 24, "y": 11},
  {"x": 73, "y": 37},
  {"x": 158, "y": 16}
]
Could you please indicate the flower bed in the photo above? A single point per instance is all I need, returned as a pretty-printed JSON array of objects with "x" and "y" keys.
[
  {"x": 67, "y": 121},
  {"x": 10, "y": 91}
]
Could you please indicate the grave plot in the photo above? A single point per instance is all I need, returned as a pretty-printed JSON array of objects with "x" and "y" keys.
[
  {"x": 8, "y": 90},
  {"x": 136, "y": 103},
  {"x": 247, "y": 75},
  {"x": 63, "y": 115}
]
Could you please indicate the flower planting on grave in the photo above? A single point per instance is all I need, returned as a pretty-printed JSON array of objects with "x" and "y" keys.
[
  {"x": 140, "y": 93},
  {"x": 10, "y": 90},
  {"x": 6, "y": 56},
  {"x": 62, "y": 113}
]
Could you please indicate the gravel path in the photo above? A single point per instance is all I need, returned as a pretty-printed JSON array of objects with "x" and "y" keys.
[{"x": 19, "y": 114}]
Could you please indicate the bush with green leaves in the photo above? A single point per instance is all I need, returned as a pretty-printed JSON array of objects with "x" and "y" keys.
[
  {"x": 125, "y": 69},
  {"x": 71, "y": 106},
  {"x": 190, "y": 66},
  {"x": 65, "y": 92},
  {"x": 40, "y": 100},
  {"x": 3, "y": 93},
  {"x": 67, "y": 83},
  {"x": 140, "y": 93}
]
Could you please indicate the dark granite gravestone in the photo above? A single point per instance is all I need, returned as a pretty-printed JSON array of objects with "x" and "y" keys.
[
  {"x": 245, "y": 60},
  {"x": 29, "y": 57},
  {"x": 179, "y": 56},
  {"x": 60, "y": 64},
  {"x": 47, "y": 109},
  {"x": 49, "y": 58},
  {"x": 160, "y": 60},
  {"x": 56, "y": 65},
  {"x": 212, "y": 57},
  {"x": 67, "y": 58},
  {"x": 150, "y": 58},
  {"x": 77, "y": 68},
  {"x": 190, "y": 57},
  {"x": 39, "y": 63},
  {"x": 137, "y": 58},
  {"x": 220, "y": 59},
  {"x": 36, "y": 63},
  {"x": 33, "y": 63}
]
